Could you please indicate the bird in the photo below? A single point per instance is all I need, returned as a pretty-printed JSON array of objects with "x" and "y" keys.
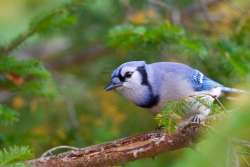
[{"x": 152, "y": 86}]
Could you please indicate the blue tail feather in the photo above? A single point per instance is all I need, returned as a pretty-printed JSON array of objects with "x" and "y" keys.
[{"x": 233, "y": 90}]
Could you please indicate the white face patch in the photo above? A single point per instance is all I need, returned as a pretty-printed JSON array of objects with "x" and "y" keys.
[
  {"x": 133, "y": 89},
  {"x": 134, "y": 80}
]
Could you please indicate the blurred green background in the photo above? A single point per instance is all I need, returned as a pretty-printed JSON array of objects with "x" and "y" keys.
[{"x": 83, "y": 41}]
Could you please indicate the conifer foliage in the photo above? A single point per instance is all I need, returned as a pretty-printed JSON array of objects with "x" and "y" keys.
[{"x": 52, "y": 74}]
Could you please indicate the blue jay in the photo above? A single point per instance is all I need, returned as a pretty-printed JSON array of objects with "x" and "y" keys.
[{"x": 153, "y": 85}]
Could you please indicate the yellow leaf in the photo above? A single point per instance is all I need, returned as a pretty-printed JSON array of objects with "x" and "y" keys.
[
  {"x": 142, "y": 17},
  {"x": 18, "y": 102}
]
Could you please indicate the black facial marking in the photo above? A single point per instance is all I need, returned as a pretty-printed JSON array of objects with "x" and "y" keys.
[
  {"x": 144, "y": 75},
  {"x": 152, "y": 99},
  {"x": 128, "y": 74},
  {"x": 121, "y": 78},
  {"x": 151, "y": 102}
]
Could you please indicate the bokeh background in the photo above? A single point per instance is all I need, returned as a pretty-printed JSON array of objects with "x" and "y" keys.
[{"x": 79, "y": 43}]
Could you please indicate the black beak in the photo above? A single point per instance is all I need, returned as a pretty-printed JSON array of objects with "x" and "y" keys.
[{"x": 112, "y": 86}]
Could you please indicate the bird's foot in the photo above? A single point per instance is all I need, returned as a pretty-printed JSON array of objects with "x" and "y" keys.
[{"x": 195, "y": 120}]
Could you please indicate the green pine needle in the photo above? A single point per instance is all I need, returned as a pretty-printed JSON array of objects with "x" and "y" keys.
[
  {"x": 143, "y": 37},
  {"x": 174, "y": 112},
  {"x": 37, "y": 80},
  {"x": 13, "y": 154},
  {"x": 7, "y": 115},
  {"x": 25, "y": 68}
]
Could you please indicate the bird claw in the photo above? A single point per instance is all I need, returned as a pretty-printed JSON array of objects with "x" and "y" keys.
[{"x": 195, "y": 120}]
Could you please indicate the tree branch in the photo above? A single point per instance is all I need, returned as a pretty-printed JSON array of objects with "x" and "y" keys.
[
  {"x": 123, "y": 150},
  {"x": 35, "y": 28}
]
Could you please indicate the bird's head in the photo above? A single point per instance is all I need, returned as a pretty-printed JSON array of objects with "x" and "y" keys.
[{"x": 130, "y": 75}]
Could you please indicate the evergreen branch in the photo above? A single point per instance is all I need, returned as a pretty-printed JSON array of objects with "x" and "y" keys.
[
  {"x": 35, "y": 28},
  {"x": 25, "y": 35},
  {"x": 17, "y": 41},
  {"x": 7, "y": 115},
  {"x": 14, "y": 154}
]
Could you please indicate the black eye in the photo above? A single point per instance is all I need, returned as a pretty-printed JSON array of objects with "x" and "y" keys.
[{"x": 128, "y": 74}]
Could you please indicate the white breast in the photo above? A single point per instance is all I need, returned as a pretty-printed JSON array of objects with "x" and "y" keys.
[{"x": 137, "y": 94}]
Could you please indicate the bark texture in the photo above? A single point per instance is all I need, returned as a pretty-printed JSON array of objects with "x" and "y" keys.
[{"x": 121, "y": 151}]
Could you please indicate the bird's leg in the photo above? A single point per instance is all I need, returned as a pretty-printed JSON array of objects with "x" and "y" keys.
[
  {"x": 199, "y": 108},
  {"x": 195, "y": 119},
  {"x": 201, "y": 116}
]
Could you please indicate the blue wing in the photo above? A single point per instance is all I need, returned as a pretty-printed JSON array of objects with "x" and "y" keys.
[{"x": 202, "y": 83}]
